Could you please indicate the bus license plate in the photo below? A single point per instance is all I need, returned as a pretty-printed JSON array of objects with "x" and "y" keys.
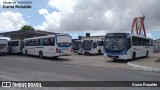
[
  {"x": 112, "y": 57},
  {"x": 64, "y": 48}
]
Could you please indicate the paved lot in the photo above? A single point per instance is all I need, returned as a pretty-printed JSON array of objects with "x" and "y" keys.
[
  {"x": 86, "y": 60},
  {"x": 149, "y": 62},
  {"x": 70, "y": 68},
  {"x": 83, "y": 60}
]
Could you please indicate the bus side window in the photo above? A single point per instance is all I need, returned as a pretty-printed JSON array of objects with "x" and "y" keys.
[
  {"x": 133, "y": 41},
  {"x": 45, "y": 42},
  {"x": 36, "y": 42},
  {"x": 102, "y": 43},
  {"x": 41, "y": 42},
  {"x": 129, "y": 43},
  {"x": 94, "y": 45},
  {"x": 52, "y": 41},
  {"x": 29, "y": 42}
]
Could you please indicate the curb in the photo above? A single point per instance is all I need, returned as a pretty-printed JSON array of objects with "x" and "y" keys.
[{"x": 144, "y": 68}]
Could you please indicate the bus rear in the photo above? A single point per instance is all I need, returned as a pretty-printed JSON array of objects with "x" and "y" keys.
[
  {"x": 15, "y": 46},
  {"x": 64, "y": 43}
]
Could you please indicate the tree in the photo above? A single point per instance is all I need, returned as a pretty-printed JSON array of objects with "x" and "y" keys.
[{"x": 27, "y": 27}]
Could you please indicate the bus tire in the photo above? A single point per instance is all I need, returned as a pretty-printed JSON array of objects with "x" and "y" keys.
[
  {"x": 147, "y": 54},
  {"x": 133, "y": 56},
  {"x": 99, "y": 52},
  {"x": 26, "y": 52},
  {"x": 79, "y": 53},
  {"x": 40, "y": 55}
]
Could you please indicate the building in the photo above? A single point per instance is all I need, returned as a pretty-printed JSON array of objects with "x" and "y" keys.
[
  {"x": 22, "y": 34},
  {"x": 91, "y": 37},
  {"x": 156, "y": 42}
]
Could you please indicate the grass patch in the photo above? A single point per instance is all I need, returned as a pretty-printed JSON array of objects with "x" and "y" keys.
[{"x": 158, "y": 60}]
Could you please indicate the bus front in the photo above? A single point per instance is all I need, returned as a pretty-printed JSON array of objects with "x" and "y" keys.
[
  {"x": 89, "y": 47},
  {"x": 116, "y": 46},
  {"x": 76, "y": 46}
]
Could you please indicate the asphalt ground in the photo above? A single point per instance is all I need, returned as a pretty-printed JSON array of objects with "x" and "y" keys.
[{"x": 71, "y": 68}]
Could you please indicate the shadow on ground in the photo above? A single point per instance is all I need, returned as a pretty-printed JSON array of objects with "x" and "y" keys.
[
  {"x": 46, "y": 58},
  {"x": 124, "y": 61}
]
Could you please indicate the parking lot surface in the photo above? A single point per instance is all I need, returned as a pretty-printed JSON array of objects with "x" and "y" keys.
[
  {"x": 82, "y": 60},
  {"x": 70, "y": 68}
]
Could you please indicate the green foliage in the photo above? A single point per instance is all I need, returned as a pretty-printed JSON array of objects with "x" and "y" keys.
[{"x": 27, "y": 27}]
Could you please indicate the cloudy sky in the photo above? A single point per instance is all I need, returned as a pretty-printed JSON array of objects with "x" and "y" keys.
[{"x": 77, "y": 17}]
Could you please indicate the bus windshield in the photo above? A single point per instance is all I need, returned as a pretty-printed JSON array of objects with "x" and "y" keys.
[
  {"x": 13, "y": 43},
  {"x": 115, "y": 44},
  {"x": 87, "y": 44},
  {"x": 76, "y": 45}
]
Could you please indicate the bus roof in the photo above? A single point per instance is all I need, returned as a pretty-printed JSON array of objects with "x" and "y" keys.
[
  {"x": 46, "y": 36},
  {"x": 15, "y": 40},
  {"x": 140, "y": 36}
]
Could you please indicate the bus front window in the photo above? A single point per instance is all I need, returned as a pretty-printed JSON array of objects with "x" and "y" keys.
[
  {"x": 87, "y": 44},
  {"x": 114, "y": 44},
  {"x": 76, "y": 45}
]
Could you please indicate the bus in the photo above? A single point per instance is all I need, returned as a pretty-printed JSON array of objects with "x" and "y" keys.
[
  {"x": 77, "y": 46},
  {"x": 48, "y": 46},
  {"x": 126, "y": 46},
  {"x": 3, "y": 46},
  {"x": 92, "y": 46},
  {"x": 15, "y": 46}
]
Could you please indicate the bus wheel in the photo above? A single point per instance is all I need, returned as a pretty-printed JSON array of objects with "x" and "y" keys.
[
  {"x": 99, "y": 52},
  {"x": 133, "y": 56},
  {"x": 26, "y": 52},
  {"x": 79, "y": 53},
  {"x": 40, "y": 54},
  {"x": 146, "y": 54}
]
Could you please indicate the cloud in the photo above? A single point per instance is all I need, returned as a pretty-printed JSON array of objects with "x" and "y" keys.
[
  {"x": 11, "y": 21},
  {"x": 98, "y": 33},
  {"x": 51, "y": 22},
  {"x": 100, "y": 15},
  {"x": 62, "y": 5},
  {"x": 43, "y": 11},
  {"x": 149, "y": 35}
]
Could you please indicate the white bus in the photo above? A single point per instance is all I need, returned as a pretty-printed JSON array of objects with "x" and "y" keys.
[
  {"x": 127, "y": 46},
  {"x": 48, "y": 46},
  {"x": 77, "y": 46},
  {"x": 3, "y": 46},
  {"x": 15, "y": 46},
  {"x": 92, "y": 46}
]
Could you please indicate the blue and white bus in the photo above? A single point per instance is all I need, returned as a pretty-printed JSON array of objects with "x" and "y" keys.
[
  {"x": 48, "y": 46},
  {"x": 127, "y": 46}
]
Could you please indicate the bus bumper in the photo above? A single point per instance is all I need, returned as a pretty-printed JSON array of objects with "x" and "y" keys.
[
  {"x": 122, "y": 57},
  {"x": 75, "y": 51}
]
